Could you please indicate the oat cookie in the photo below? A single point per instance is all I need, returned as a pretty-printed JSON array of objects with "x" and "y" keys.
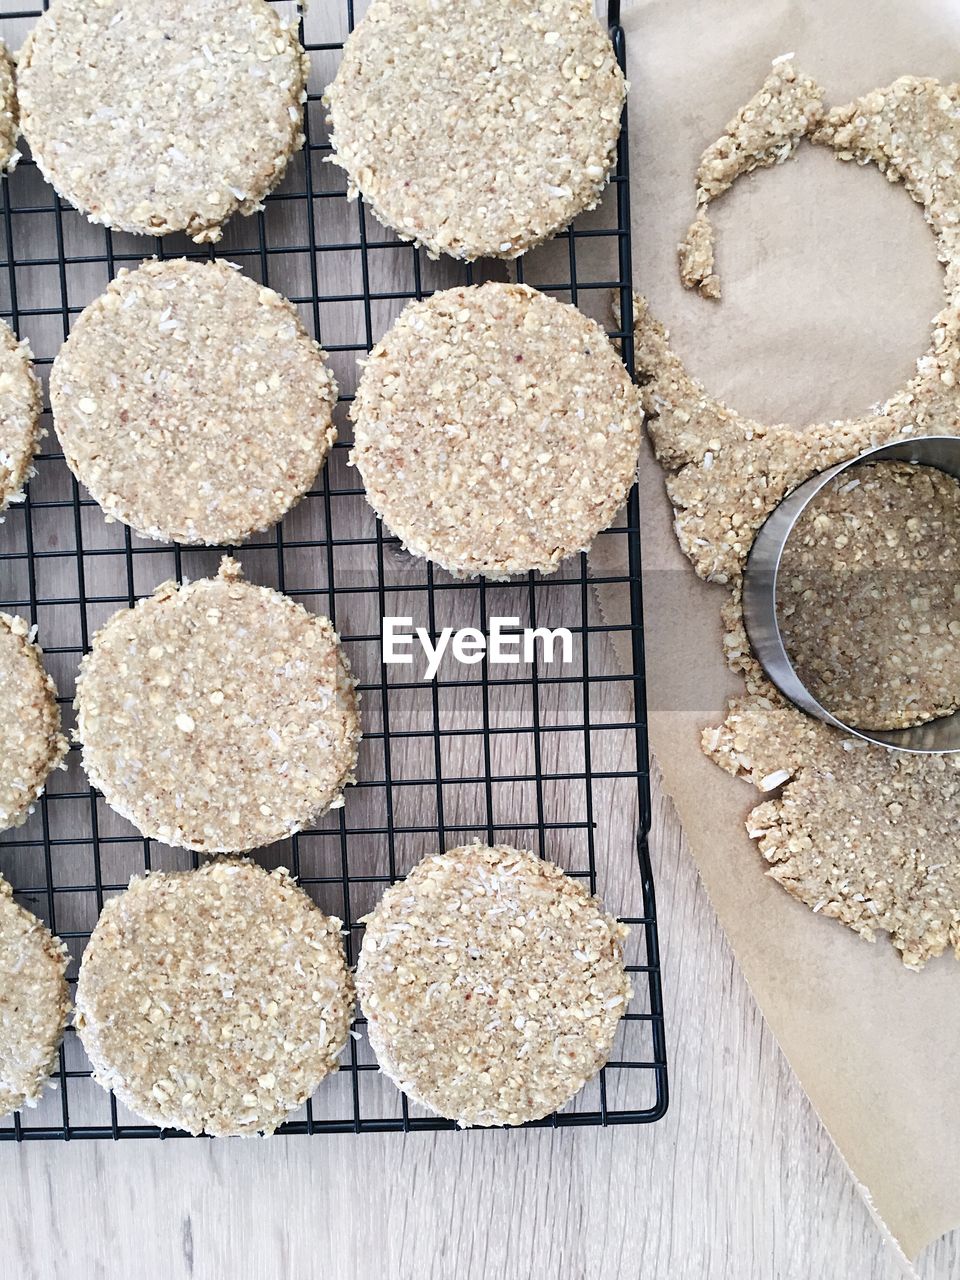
[
  {"x": 34, "y": 1003},
  {"x": 497, "y": 430},
  {"x": 218, "y": 716},
  {"x": 9, "y": 112},
  {"x": 477, "y": 130},
  {"x": 214, "y": 1000},
  {"x": 192, "y": 402},
  {"x": 20, "y": 406},
  {"x": 31, "y": 744},
  {"x": 868, "y": 595},
  {"x": 493, "y": 985},
  {"x": 155, "y": 116}
]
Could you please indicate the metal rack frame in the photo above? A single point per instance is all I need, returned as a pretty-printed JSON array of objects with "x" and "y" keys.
[{"x": 41, "y": 846}]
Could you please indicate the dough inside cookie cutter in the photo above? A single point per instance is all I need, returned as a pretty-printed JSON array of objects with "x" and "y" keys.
[{"x": 760, "y": 612}]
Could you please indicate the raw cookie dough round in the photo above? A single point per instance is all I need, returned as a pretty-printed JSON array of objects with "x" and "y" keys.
[
  {"x": 192, "y": 403},
  {"x": 155, "y": 116},
  {"x": 214, "y": 1000},
  {"x": 9, "y": 114},
  {"x": 868, "y": 595},
  {"x": 497, "y": 430},
  {"x": 218, "y": 716},
  {"x": 34, "y": 1002},
  {"x": 31, "y": 744},
  {"x": 20, "y": 405},
  {"x": 492, "y": 983},
  {"x": 477, "y": 130}
]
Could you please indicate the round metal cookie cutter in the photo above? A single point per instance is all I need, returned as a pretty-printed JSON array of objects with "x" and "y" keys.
[{"x": 760, "y": 594}]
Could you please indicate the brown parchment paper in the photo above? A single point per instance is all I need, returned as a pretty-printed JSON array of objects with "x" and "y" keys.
[{"x": 830, "y": 279}]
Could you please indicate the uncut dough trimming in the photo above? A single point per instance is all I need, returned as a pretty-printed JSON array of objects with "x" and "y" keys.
[
  {"x": 496, "y": 430},
  {"x": 477, "y": 130},
  {"x": 218, "y": 716},
  {"x": 155, "y": 116},
  {"x": 493, "y": 984},
  {"x": 214, "y": 1000},
  {"x": 850, "y": 833},
  {"x": 192, "y": 402}
]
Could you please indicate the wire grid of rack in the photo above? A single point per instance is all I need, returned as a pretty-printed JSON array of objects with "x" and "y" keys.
[{"x": 554, "y": 760}]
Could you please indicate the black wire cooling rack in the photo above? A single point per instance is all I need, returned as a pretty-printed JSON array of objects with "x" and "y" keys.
[{"x": 549, "y": 757}]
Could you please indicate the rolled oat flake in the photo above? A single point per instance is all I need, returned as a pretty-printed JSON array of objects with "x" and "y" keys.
[{"x": 155, "y": 116}]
